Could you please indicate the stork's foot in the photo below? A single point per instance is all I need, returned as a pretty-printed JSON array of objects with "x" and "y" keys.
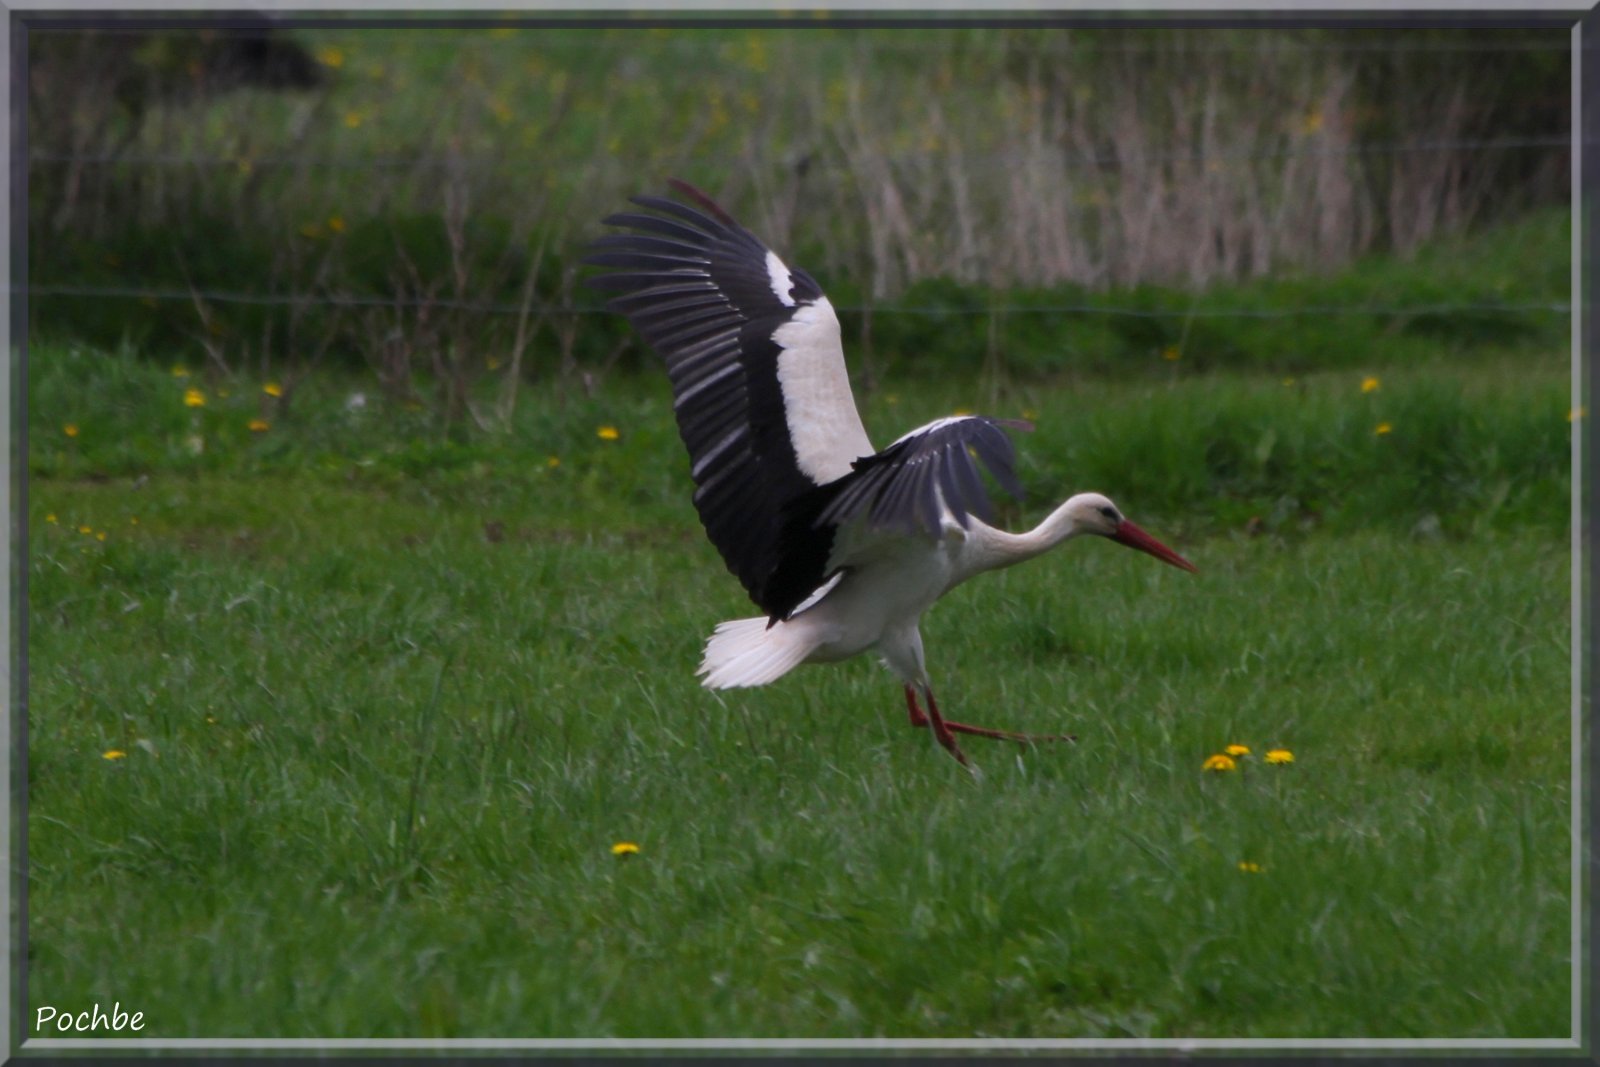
[{"x": 944, "y": 728}]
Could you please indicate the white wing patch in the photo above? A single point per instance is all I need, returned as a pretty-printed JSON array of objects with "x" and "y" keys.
[
  {"x": 781, "y": 280},
  {"x": 824, "y": 427}
]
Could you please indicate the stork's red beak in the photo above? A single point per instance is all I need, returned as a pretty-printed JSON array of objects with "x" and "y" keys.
[{"x": 1129, "y": 534}]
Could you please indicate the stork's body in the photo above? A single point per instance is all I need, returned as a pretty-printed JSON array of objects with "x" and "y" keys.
[{"x": 844, "y": 547}]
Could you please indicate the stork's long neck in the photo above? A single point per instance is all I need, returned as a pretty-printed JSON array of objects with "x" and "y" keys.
[{"x": 998, "y": 548}]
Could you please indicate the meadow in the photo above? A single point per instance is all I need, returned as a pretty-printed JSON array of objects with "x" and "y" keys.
[{"x": 334, "y": 723}]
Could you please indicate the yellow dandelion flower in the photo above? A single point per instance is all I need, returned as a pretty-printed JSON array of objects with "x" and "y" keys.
[
  {"x": 180, "y": 371},
  {"x": 113, "y": 753},
  {"x": 336, "y": 223},
  {"x": 353, "y": 119},
  {"x": 1171, "y": 353},
  {"x": 1249, "y": 867},
  {"x": 194, "y": 398},
  {"x": 624, "y": 848},
  {"x": 492, "y": 363},
  {"x": 1577, "y": 413},
  {"x": 1219, "y": 762},
  {"x": 331, "y": 57},
  {"x": 259, "y": 425},
  {"x": 70, "y": 429},
  {"x": 607, "y": 433},
  {"x": 1030, "y": 414},
  {"x": 99, "y": 535},
  {"x": 1237, "y": 750},
  {"x": 1280, "y": 755},
  {"x": 86, "y": 529},
  {"x": 211, "y": 720},
  {"x": 272, "y": 389},
  {"x": 553, "y": 462},
  {"x": 1383, "y": 428},
  {"x": 133, "y": 520},
  {"x": 1369, "y": 384},
  {"x": 1311, "y": 123},
  {"x": 50, "y": 517}
]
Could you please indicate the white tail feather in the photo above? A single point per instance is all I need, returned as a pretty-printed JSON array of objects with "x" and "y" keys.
[{"x": 745, "y": 652}]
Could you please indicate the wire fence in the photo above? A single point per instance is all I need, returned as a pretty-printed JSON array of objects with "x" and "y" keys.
[{"x": 355, "y": 300}]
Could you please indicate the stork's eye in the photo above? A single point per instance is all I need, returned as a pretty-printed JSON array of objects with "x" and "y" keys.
[{"x": 1109, "y": 512}]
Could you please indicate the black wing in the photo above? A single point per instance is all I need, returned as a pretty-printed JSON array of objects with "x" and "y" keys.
[{"x": 723, "y": 311}]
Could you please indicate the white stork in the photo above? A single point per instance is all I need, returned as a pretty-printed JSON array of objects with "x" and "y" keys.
[{"x": 843, "y": 547}]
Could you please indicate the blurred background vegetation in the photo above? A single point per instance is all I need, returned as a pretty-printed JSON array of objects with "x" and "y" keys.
[{"x": 412, "y": 203}]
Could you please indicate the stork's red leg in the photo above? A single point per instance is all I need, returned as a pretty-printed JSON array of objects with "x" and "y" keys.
[
  {"x": 941, "y": 729},
  {"x": 919, "y": 719}
]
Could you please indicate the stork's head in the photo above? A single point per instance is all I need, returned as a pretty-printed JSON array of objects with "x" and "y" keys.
[{"x": 1095, "y": 514}]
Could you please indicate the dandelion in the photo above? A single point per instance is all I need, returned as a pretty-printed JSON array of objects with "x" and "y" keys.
[
  {"x": 259, "y": 425},
  {"x": 1280, "y": 755},
  {"x": 1577, "y": 413},
  {"x": 624, "y": 848},
  {"x": 1237, "y": 750},
  {"x": 133, "y": 520},
  {"x": 50, "y": 517},
  {"x": 272, "y": 389},
  {"x": 607, "y": 433},
  {"x": 1171, "y": 354},
  {"x": 1369, "y": 384},
  {"x": 1382, "y": 428},
  {"x": 1311, "y": 123},
  {"x": 352, "y": 119},
  {"x": 1249, "y": 867},
  {"x": 180, "y": 371},
  {"x": 336, "y": 223},
  {"x": 553, "y": 462},
  {"x": 113, "y": 753},
  {"x": 331, "y": 57},
  {"x": 70, "y": 429},
  {"x": 1219, "y": 762},
  {"x": 99, "y": 535},
  {"x": 86, "y": 529},
  {"x": 491, "y": 363},
  {"x": 1030, "y": 414},
  {"x": 194, "y": 398}
]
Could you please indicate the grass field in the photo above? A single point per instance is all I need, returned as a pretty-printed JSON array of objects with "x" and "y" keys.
[{"x": 387, "y": 699}]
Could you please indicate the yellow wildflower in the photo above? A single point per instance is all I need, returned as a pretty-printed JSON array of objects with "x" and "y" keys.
[
  {"x": 353, "y": 119},
  {"x": 1249, "y": 867},
  {"x": 259, "y": 425},
  {"x": 336, "y": 223},
  {"x": 70, "y": 429},
  {"x": 99, "y": 535},
  {"x": 1280, "y": 755},
  {"x": 607, "y": 433},
  {"x": 1382, "y": 428},
  {"x": 553, "y": 462},
  {"x": 1171, "y": 353},
  {"x": 624, "y": 848},
  {"x": 113, "y": 753},
  {"x": 1577, "y": 413},
  {"x": 180, "y": 371},
  {"x": 86, "y": 529},
  {"x": 1237, "y": 750},
  {"x": 1369, "y": 384},
  {"x": 272, "y": 389},
  {"x": 50, "y": 517},
  {"x": 133, "y": 520},
  {"x": 331, "y": 57},
  {"x": 1219, "y": 762},
  {"x": 194, "y": 398}
]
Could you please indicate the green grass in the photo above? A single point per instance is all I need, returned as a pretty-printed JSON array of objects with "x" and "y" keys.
[{"x": 376, "y": 757}]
